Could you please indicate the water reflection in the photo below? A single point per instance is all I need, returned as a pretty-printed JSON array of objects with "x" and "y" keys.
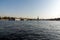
[{"x": 29, "y": 30}]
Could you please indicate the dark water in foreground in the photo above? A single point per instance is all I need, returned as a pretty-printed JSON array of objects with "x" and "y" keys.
[{"x": 30, "y": 30}]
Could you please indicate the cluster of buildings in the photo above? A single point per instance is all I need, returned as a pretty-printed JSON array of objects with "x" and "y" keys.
[
  {"x": 14, "y": 18},
  {"x": 27, "y": 19}
]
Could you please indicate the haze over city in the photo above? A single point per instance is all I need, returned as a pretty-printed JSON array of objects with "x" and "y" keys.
[{"x": 30, "y": 8}]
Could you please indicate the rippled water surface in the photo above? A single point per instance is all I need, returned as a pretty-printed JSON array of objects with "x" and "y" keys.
[{"x": 30, "y": 30}]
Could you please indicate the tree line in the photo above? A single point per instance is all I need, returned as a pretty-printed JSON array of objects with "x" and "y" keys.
[{"x": 8, "y": 18}]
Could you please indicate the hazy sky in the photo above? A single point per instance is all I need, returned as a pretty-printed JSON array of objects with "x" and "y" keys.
[{"x": 30, "y": 8}]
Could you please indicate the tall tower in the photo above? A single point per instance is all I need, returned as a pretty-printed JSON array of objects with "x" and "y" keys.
[{"x": 38, "y": 18}]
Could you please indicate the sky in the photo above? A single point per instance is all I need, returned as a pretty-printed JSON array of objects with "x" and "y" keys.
[{"x": 30, "y": 8}]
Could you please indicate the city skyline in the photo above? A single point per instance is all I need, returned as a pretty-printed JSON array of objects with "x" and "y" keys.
[{"x": 30, "y": 8}]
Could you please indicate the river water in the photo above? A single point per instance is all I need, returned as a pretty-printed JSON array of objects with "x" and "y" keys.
[{"x": 30, "y": 30}]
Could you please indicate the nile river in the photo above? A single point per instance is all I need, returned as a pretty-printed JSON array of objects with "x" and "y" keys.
[{"x": 30, "y": 30}]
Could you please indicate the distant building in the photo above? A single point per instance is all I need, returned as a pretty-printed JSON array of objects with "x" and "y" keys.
[{"x": 17, "y": 19}]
